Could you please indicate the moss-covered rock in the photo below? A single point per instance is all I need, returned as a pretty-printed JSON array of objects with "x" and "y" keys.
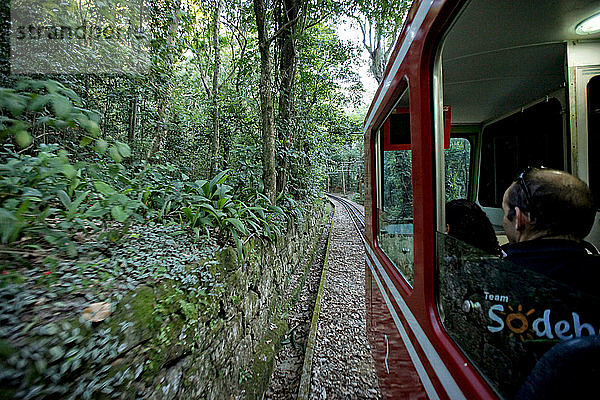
[
  {"x": 166, "y": 339},
  {"x": 6, "y": 349},
  {"x": 135, "y": 314}
]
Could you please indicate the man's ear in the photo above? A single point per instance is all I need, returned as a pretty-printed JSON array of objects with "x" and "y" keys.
[{"x": 521, "y": 219}]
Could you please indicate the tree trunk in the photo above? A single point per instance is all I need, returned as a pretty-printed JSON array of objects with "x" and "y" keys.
[
  {"x": 215, "y": 91},
  {"x": 266, "y": 103},
  {"x": 287, "y": 71},
  {"x": 163, "y": 96},
  {"x": 372, "y": 38},
  {"x": 133, "y": 107}
]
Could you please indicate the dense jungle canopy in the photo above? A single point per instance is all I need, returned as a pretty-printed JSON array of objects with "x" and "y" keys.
[{"x": 117, "y": 110}]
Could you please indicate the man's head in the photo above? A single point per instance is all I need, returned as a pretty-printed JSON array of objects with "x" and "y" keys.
[{"x": 547, "y": 203}]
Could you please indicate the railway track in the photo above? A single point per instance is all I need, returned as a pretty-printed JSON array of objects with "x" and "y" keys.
[
  {"x": 358, "y": 216},
  {"x": 337, "y": 361},
  {"x": 341, "y": 365}
]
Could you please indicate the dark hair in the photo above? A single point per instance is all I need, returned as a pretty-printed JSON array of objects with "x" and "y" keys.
[
  {"x": 558, "y": 203},
  {"x": 469, "y": 223}
]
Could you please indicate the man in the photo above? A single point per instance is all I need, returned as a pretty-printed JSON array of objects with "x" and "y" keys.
[{"x": 547, "y": 214}]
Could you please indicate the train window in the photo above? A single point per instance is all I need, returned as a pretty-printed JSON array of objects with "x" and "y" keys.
[
  {"x": 457, "y": 161},
  {"x": 395, "y": 194},
  {"x": 504, "y": 316},
  {"x": 531, "y": 137},
  {"x": 509, "y": 85},
  {"x": 593, "y": 96}
]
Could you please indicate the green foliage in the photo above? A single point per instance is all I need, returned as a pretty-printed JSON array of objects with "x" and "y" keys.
[
  {"x": 36, "y": 196},
  {"x": 32, "y": 104},
  {"x": 45, "y": 196},
  {"x": 457, "y": 160},
  {"x": 380, "y": 22}
]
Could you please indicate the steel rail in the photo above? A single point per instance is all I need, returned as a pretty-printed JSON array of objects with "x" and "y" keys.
[{"x": 355, "y": 213}]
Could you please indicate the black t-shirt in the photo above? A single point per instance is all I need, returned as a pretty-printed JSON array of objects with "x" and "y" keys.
[{"x": 565, "y": 261}]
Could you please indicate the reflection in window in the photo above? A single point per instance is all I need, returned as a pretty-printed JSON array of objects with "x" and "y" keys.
[
  {"x": 532, "y": 137},
  {"x": 505, "y": 317},
  {"x": 457, "y": 160},
  {"x": 395, "y": 195}
]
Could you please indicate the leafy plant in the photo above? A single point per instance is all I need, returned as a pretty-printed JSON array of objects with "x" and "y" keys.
[{"x": 33, "y": 103}]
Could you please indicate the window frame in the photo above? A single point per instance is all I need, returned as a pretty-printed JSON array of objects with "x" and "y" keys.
[
  {"x": 387, "y": 142},
  {"x": 382, "y": 144}
]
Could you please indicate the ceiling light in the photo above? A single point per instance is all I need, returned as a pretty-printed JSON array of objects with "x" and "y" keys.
[{"x": 589, "y": 26}]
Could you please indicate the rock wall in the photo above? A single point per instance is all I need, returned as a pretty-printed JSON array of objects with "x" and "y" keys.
[
  {"x": 229, "y": 354},
  {"x": 165, "y": 340}
]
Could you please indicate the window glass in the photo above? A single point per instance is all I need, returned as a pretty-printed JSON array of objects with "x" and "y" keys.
[
  {"x": 400, "y": 129},
  {"x": 505, "y": 317},
  {"x": 457, "y": 159},
  {"x": 593, "y": 98},
  {"x": 395, "y": 194},
  {"x": 532, "y": 137}
]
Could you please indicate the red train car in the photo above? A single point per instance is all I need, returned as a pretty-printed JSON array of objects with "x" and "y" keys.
[{"x": 474, "y": 92}]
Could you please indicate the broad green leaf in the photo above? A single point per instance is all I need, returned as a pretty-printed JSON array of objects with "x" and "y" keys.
[
  {"x": 104, "y": 188},
  {"x": 222, "y": 190},
  {"x": 237, "y": 224},
  {"x": 22, "y": 209},
  {"x": 38, "y": 102},
  {"x": 96, "y": 211},
  {"x": 187, "y": 212},
  {"x": 85, "y": 141},
  {"x": 7, "y": 224},
  {"x": 216, "y": 213},
  {"x": 69, "y": 171},
  {"x": 31, "y": 192},
  {"x": 75, "y": 204},
  {"x": 123, "y": 149},
  {"x": 15, "y": 103},
  {"x": 118, "y": 197},
  {"x": 239, "y": 246},
  {"x": 101, "y": 146},
  {"x": 221, "y": 203},
  {"x": 23, "y": 138},
  {"x": 114, "y": 154},
  {"x": 62, "y": 105},
  {"x": 114, "y": 170},
  {"x": 219, "y": 178},
  {"x": 91, "y": 126},
  {"x": 64, "y": 199},
  {"x": 51, "y": 86},
  {"x": 59, "y": 124},
  {"x": 118, "y": 214},
  {"x": 276, "y": 209}
]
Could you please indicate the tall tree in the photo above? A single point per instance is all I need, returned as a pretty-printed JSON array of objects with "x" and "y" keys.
[
  {"x": 288, "y": 60},
  {"x": 215, "y": 88},
  {"x": 266, "y": 99},
  {"x": 294, "y": 18},
  {"x": 380, "y": 22},
  {"x": 166, "y": 24}
]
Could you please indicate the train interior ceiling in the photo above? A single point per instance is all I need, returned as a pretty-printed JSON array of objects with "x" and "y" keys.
[{"x": 506, "y": 76}]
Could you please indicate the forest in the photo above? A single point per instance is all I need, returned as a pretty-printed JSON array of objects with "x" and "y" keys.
[
  {"x": 136, "y": 135},
  {"x": 221, "y": 116}
]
